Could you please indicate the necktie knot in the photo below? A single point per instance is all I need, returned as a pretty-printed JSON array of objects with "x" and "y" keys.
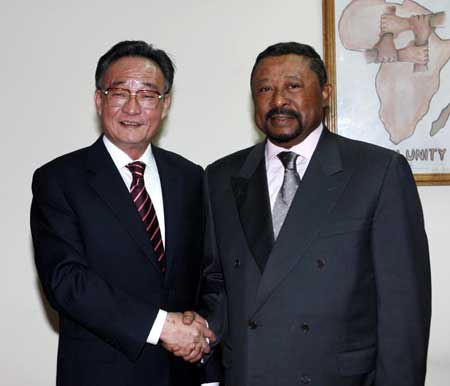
[
  {"x": 136, "y": 168},
  {"x": 288, "y": 159}
]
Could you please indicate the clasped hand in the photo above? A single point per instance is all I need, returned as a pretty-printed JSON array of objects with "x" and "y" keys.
[{"x": 186, "y": 335}]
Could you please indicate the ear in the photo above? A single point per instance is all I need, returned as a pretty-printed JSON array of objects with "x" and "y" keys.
[
  {"x": 327, "y": 90},
  {"x": 166, "y": 104},
  {"x": 98, "y": 102}
]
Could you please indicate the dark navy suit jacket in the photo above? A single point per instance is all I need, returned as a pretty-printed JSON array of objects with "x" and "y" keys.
[{"x": 99, "y": 271}]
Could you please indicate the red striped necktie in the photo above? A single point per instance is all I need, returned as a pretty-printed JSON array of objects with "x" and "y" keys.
[{"x": 146, "y": 210}]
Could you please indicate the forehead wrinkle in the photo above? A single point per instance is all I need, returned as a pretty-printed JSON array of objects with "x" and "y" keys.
[
  {"x": 151, "y": 85},
  {"x": 146, "y": 84}
]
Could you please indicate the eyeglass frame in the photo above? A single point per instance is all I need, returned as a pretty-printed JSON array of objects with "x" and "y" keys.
[{"x": 135, "y": 94}]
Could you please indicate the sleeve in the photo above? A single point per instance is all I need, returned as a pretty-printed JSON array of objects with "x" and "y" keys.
[
  {"x": 157, "y": 327},
  {"x": 211, "y": 374},
  {"x": 213, "y": 301},
  {"x": 71, "y": 286},
  {"x": 212, "y": 295},
  {"x": 402, "y": 274}
]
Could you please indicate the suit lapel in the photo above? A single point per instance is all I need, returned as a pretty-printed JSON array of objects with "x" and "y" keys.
[
  {"x": 106, "y": 180},
  {"x": 317, "y": 194},
  {"x": 171, "y": 191},
  {"x": 252, "y": 201}
]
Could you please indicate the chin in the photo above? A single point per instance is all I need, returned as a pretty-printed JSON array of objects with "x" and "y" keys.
[{"x": 284, "y": 136}]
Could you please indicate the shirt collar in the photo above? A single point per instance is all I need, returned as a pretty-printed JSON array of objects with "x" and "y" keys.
[
  {"x": 305, "y": 148},
  {"x": 122, "y": 159}
]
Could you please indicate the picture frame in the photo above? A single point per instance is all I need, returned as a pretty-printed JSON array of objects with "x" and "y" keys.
[{"x": 358, "y": 84}]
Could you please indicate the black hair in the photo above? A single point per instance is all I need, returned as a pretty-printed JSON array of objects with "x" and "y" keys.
[
  {"x": 135, "y": 48},
  {"x": 279, "y": 49}
]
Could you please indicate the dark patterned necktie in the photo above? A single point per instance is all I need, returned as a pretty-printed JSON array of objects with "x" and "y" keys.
[
  {"x": 291, "y": 181},
  {"x": 146, "y": 210}
]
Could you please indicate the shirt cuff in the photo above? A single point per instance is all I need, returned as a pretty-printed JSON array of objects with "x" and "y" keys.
[
  {"x": 157, "y": 327},
  {"x": 210, "y": 384}
]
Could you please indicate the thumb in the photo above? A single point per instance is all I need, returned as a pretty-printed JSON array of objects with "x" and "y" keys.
[{"x": 188, "y": 317}]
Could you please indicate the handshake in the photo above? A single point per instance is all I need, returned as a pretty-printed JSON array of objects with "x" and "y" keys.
[{"x": 187, "y": 335}]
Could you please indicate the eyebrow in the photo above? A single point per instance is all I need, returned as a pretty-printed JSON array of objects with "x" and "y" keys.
[
  {"x": 261, "y": 80},
  {"x": 293, "y": 77},
  {"x": 289, "y": 77}
]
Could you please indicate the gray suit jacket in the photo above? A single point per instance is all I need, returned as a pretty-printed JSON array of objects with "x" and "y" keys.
[{"x": 344, "y": 297}]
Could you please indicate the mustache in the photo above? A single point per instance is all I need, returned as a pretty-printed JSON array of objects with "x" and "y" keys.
[{"x": 282, "y": 111}]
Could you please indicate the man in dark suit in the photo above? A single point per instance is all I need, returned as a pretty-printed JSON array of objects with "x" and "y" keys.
[
  {"x": 318, "y": 269},
  {"x": 118, "y": 235}
]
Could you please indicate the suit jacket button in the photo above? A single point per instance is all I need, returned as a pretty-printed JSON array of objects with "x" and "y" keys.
[
  {"x": 252, "y": 324},
  {"x": 237, "y": 263},
  {"x": 305, "y": 327},
  {"x": 321, "y": 263},
  {"x": 305, "y": 379}
]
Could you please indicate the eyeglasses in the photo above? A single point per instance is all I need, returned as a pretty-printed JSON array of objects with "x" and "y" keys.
[{"x": 147, "y": 99}]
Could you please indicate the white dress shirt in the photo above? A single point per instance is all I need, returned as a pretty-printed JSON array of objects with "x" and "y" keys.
[{"x": 275, "y": 168}]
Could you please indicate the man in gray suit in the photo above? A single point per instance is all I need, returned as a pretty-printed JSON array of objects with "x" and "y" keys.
[{"x": 317, "y": 265}]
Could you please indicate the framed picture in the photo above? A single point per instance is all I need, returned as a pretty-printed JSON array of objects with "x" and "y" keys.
[{"x": 389, "y": 64}]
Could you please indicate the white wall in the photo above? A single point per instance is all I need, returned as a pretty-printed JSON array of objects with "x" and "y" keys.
[{"x": 50, "y": 50}]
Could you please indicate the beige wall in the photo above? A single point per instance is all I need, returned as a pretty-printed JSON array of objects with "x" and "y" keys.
[{"x": 50, "y": 49}]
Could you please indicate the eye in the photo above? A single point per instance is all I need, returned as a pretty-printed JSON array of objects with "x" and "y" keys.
[
  {"x": 117, "y": 93},
  {"x": 148, "y": 95},
  {"x": 264, "y": 89},
  {"x": 294, "y": 86}
]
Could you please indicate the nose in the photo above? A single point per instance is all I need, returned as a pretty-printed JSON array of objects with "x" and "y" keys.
[
  {"x": 279, "y": 99},
  {"x": 132, "y": 106}
]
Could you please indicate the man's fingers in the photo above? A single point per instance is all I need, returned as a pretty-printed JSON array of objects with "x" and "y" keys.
[
  {"x": 175, "y": 349},
  {"x": 172, "y": 348},
  {"x": 184, "y": 351},
  {"x": 208, "y": 334},
  {"x": 206, "y": 349},
  {"x": 200, "y": 320},
  {"x": 188, "y": 317},
  {"x": 195, "y": 354},
  {"x": 196, "y": 359}
]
